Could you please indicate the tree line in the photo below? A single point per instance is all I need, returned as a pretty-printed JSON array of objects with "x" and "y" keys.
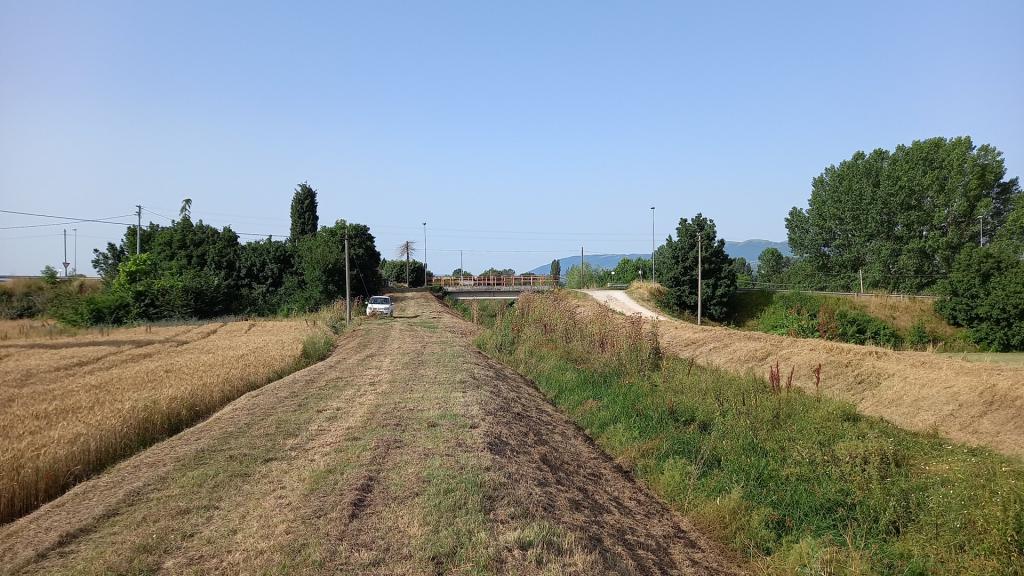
[
  {"x": 938, "y": 216},
  {"x": 189, "y": 269}
]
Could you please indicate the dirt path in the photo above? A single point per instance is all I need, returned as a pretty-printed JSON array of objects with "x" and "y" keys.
[
  {"x": 406, "y": 452},
  {"x": 979, "y": 404},
  {"x": 622, "y": 302}
]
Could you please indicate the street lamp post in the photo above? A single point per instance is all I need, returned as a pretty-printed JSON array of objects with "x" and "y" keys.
[
  {"x": 424, "y": 253},
  {"x": 654, "y": 277}
]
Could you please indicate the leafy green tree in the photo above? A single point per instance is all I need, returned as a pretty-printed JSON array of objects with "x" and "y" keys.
[
  {"x": 744, "y": 272},
  {"x": 50, "y": 275},
  {"x": 771, "y": 265},
  {"x": 394, "y": 272},
  {"x": 498, "y": 272},
  {"x": 587, "y": 276},
  {"x": 320, "y": 266},
  {"x": 263, "y": 270},
  {"x": 304, "y": 216},
  {"x": 1011, "y": 234},
  {"x": 985, "y": 293},
  {"x": 556, "y": 269},
  {"x": 461, "y": 272},
  {"x": 629, "y": 270},
  {"x": 677, "y": 268},
  {"x": 902, "y": 216}
]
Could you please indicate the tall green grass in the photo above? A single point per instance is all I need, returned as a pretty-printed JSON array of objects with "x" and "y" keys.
[{"x": 801, "y": 484}]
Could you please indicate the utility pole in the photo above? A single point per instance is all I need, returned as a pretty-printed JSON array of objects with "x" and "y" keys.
[
  {"x": 65, "y": 262},
  {"x": 348, "y": 289},
  {"x": 75, "y": 230},
  {"x": 654, "y": 277},
  {"x": 138, "y": 231},
  {"x": 700, "y": 279},
  {"x": 860, "y": 273},
  {"x": 462, "y": 270},
  {"x": 424, "y": 253},
  {"x": 583, "y": 270}
]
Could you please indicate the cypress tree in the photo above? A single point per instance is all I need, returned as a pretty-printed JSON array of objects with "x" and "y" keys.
[{"x": 304, "y": 218}]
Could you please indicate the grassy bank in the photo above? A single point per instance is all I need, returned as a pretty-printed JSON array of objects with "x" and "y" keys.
[
  {"x": 797, "y": 482},
  {"x": 910, "y": 324}
]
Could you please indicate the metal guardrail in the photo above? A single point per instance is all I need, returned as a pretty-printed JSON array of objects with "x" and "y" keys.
[
  {"x": 493, "y": 281},
  {"x": 857, "y": 294}
]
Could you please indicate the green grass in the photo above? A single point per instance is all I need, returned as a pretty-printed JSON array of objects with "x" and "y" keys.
[
  {"x": 459, "y": 536},
  {"x": 800, "y": 483},
  {"x": 1012, "y": 358}
]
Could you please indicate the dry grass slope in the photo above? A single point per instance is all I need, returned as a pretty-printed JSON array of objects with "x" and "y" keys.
[
  {"x": 70, "y": 406},
  {"x": 978, "y": 404}
]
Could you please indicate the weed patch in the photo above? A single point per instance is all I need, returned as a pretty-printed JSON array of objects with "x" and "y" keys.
[{"x": 798, "y": 482}]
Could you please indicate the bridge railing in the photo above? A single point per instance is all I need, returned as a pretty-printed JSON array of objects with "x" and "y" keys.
[{"x": 493, "y": 281}]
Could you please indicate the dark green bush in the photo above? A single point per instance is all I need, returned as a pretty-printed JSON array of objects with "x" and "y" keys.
[
  {"x": 808, "y": 316},
  {"x": 986, "y": 295},
  {"x": 857, "y": 327}
]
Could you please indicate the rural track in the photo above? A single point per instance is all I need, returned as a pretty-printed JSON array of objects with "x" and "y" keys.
[
  {"x": 977, "y": 404},
  {"x": 407, "y": 451}
]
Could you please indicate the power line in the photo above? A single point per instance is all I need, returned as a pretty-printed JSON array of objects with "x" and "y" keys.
[
  {"x": 158, "y": 214},
  {"x": 68, "y": 220}
]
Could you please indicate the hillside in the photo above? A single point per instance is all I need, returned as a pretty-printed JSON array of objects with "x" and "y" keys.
[{"x": 749, "y": 249}]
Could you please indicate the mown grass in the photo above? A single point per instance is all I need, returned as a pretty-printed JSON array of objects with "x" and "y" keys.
[
  {"x": 459, "y": 537},
  {"x": 799, "y": 483}
]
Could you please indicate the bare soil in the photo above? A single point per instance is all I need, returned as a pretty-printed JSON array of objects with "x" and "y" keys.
[
  {"x": 406, "y": 452},
  {"x": 974, "y": 403}
]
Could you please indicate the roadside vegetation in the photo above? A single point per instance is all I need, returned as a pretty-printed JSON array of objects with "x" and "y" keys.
[
  {"x": 70, "y": 407},
  {"x": 908, "y": 324},
  {"x": 190, "y": 270},
  {"x": 796, "y": 481}
]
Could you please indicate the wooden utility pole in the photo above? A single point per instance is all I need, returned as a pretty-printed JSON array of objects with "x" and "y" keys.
[
  {"x": 583, "y": 270},
  {"x": 348, "y": 289},
  {"x": 860, "y": 273},
  {"x": 654, "y": 276},
  {"x": 138, "y": 231},
  {"x": 700, "y": 279}
]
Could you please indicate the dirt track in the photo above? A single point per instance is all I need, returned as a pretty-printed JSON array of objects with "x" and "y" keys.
[
  {"x": 979, "y": 404},
  {"x": 406, "y": 452}
]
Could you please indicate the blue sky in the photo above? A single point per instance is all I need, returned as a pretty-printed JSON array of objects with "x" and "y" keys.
[{"x": 517, "y": 130}]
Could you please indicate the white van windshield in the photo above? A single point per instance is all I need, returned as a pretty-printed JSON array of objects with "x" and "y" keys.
[{"x": 380, "y": 300}]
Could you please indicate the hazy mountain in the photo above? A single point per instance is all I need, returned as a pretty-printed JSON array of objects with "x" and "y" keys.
[
  {"x": 597, "y": 260},
  {"x": 749, "y": 249}
]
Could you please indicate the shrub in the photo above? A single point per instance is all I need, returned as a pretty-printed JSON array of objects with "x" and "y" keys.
[
  {"x": 918, "y": 338},
  {"x": 986, "y": 295},
  {"x": 856, "y": 327},
  {"x": 316, "y": 347},
  {"x": 808, "y": 316}
]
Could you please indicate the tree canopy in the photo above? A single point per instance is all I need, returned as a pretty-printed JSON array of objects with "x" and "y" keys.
[
  {"x": 677, "y": 268},
  {"x": 901, "y": 216}
]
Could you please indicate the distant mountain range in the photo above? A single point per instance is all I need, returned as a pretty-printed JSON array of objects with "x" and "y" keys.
[{"x": 749, "y": 249}]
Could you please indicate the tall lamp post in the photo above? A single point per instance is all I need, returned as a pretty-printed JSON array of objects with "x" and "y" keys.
[
  {"x": 654, "y": 277},
  {"x": 424, "y": 253}
]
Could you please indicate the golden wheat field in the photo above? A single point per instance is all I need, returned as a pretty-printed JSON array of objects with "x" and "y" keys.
[{"x": 69, "y": 406}]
